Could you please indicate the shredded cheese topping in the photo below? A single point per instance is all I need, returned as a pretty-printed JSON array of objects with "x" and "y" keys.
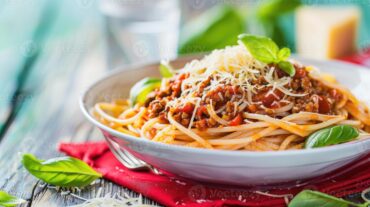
[
  {"x": 114, "y": 200},
  {"x": 232, "y": 66}
]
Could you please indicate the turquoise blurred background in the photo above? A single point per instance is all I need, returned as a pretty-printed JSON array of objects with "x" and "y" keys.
[{"x": 27, "y": 24}]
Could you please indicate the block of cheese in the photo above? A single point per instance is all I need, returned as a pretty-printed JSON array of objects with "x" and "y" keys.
[{"x": 326, "y": 32}]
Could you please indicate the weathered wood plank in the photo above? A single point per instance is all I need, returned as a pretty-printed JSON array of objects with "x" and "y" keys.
[
  {"x": 49, "y": 116},
  {"x": 41, "y": 119},
  {"x": 36, "y": 129},
  {"x": 16, "y": 43},
  {"x": 50, "y": 197},
  {"x": 68, "y": 62}
]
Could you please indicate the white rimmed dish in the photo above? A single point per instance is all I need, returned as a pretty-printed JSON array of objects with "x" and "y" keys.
[{"x": 230, "y": 167}]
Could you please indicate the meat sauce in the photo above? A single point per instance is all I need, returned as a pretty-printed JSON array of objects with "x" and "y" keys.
[{"x": 319, "y": 99}]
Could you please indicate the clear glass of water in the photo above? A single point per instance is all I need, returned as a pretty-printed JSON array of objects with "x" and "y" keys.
[{"x": 139, "y": 31}]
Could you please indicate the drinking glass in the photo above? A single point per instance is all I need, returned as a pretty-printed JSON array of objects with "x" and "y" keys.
[{"x": 139, "y": 31}]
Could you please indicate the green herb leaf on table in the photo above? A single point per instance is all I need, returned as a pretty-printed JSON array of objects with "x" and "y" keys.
[
  {"x": 309, "y": 198},
  {"x": 62, "y": 171},
  {"x": 165, "y": 69},
  {"x": 331, "y": 135},
  {"x": 141, "y": 89},
  {"x": 267, "y": 51},
  {"x": 9, "y": 200}
]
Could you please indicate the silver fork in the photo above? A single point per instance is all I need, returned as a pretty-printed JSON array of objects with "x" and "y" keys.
[{"x": 129, "y": 160}]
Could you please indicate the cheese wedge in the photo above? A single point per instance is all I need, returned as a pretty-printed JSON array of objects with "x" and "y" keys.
[{"x": 326, "y": 32}]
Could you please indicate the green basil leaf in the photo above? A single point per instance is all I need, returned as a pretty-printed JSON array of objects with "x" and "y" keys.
[
  {"x": 284, "y": 54},
  {"x": 165, "y": 69},
  {"x": 331, "y": 135},
  {"x": 287, "y": 67},
  {"x": 309, "y": 198},
  {"x": 141, "y": 89},
  {"x": 9, "y": 200},
  {"x": 61, "y": 171},
  {"x": 261, "y": 48}
]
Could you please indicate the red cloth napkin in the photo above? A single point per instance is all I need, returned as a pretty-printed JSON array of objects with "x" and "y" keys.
[{"x": 174, "y": 191}]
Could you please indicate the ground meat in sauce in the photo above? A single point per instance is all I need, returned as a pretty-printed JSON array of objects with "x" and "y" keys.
[{"x": 319, "y": 99}]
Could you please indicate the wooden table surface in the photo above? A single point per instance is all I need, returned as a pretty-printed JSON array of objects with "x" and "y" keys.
[
  {"x": 46, "y": 65},
  {"x": 50, "y": 52}
]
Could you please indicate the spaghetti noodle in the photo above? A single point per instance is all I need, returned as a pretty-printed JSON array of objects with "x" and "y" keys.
[{"x": 231, "y": 101}]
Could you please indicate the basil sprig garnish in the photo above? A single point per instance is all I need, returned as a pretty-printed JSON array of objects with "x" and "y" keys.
[
  {"x": 331, "y": 135},
  {"x": 309, "y": 198},
  {"x": 9, "y": 200},
  {"x": 141, "y": 89},
  {"x": 165, "y": 69},
  {"x": 61, "y": 171},
  {"x": 267, "y": 51}
]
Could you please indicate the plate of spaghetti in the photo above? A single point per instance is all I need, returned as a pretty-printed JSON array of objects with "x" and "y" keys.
[{"x": 245, "y": 114}]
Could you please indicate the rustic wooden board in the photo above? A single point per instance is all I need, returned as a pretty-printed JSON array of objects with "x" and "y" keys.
[
  {"x": 69, "y": 58},
  {"x": 52, "y": 115},
  {"x": 17, "y": 45}
]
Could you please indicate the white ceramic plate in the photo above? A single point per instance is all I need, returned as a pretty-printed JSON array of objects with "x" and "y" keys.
[{"x": 231, "y": 167}]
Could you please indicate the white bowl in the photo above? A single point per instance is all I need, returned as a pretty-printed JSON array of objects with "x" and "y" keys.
[{"x": 230, "y": 167}]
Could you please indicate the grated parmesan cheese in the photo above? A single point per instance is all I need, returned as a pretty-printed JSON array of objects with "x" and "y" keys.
[
  {"x": 108, "y": 200},
  {"x": 114, "y": 201},
  {"x": 233, "y": 66}
]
